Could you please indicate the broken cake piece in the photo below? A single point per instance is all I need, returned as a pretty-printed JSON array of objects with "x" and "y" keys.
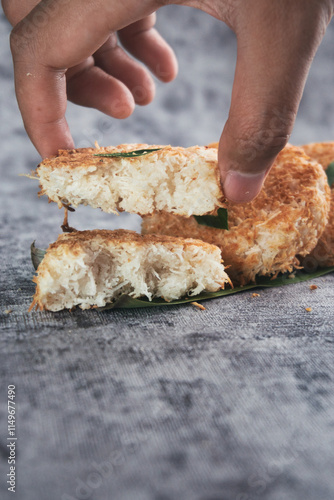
[
  {"x": 93, "y": 268},
  {"x": 183, "y": 181}
]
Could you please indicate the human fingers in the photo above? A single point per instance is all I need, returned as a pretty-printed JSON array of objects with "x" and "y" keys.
[
  {"x": 276, "y": 44},
  {"x": 114, "y": 60},
  {"x": 41, "y": 55},
  {"x": 88, "y": 85},
  {"x": 143, "y": 41}
]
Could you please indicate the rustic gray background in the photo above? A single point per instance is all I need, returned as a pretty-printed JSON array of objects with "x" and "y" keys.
[{"x": 231, "y": 403}]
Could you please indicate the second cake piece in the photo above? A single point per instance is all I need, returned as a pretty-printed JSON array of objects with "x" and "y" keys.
[{"x": 93, "y": 268}]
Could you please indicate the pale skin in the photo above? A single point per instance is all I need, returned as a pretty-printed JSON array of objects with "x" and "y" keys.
[{"x": 68, "y": 49}]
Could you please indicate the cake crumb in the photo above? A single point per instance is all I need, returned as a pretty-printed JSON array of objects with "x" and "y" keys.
[
  {"x": 196, "y": 304},
  {"x": 308, "y": 309},
  {"x": 8, "y": 311},
  {"x": 313, "y": 287}
]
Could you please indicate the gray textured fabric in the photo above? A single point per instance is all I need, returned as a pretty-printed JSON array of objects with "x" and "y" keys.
[{"x": 231, "y": 403}]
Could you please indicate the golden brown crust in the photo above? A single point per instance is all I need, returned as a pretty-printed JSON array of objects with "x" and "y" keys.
[
  {"x": 214, "y": 145},
  {"x": 80, "y": 157},
  {"x": 323, "y": 253},
  {"x": 83, "y": 157},
  {"x": 322, "y": 152},
  {"x": 265, "y": 235},
  {"x": 74, "y": 245},
  {"x": 77, "y": 239}
]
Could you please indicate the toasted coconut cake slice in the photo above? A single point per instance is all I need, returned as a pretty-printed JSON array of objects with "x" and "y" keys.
[
  {"x": 93, "y": 268},
  {"x": 184, "y": 181},
  {"x": 265, "y": 236},
  {"x": 323, "y": 254}
]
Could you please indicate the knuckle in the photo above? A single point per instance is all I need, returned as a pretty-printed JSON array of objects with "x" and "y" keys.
[
  {"x": 263, "y": 137},
  {"x": 21, "y": 40},
  {"x": 16, "y": 40}
]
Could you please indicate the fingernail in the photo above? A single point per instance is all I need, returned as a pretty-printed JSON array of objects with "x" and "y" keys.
[{"x": 242, "y": 187}]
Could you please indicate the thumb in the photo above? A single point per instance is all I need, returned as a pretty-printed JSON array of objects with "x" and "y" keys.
[{"x": 274, "y": 56}]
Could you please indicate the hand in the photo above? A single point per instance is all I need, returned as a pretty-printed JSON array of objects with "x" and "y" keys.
[
  {"x": 68, "y": 48},
  {"x": 277, "y": 40}
]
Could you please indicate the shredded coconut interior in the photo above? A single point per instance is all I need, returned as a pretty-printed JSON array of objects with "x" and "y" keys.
[{"x": 100, "y": 274}]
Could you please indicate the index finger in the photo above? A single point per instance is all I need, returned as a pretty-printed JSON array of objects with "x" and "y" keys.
[{"x": 44, "y": 44}]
